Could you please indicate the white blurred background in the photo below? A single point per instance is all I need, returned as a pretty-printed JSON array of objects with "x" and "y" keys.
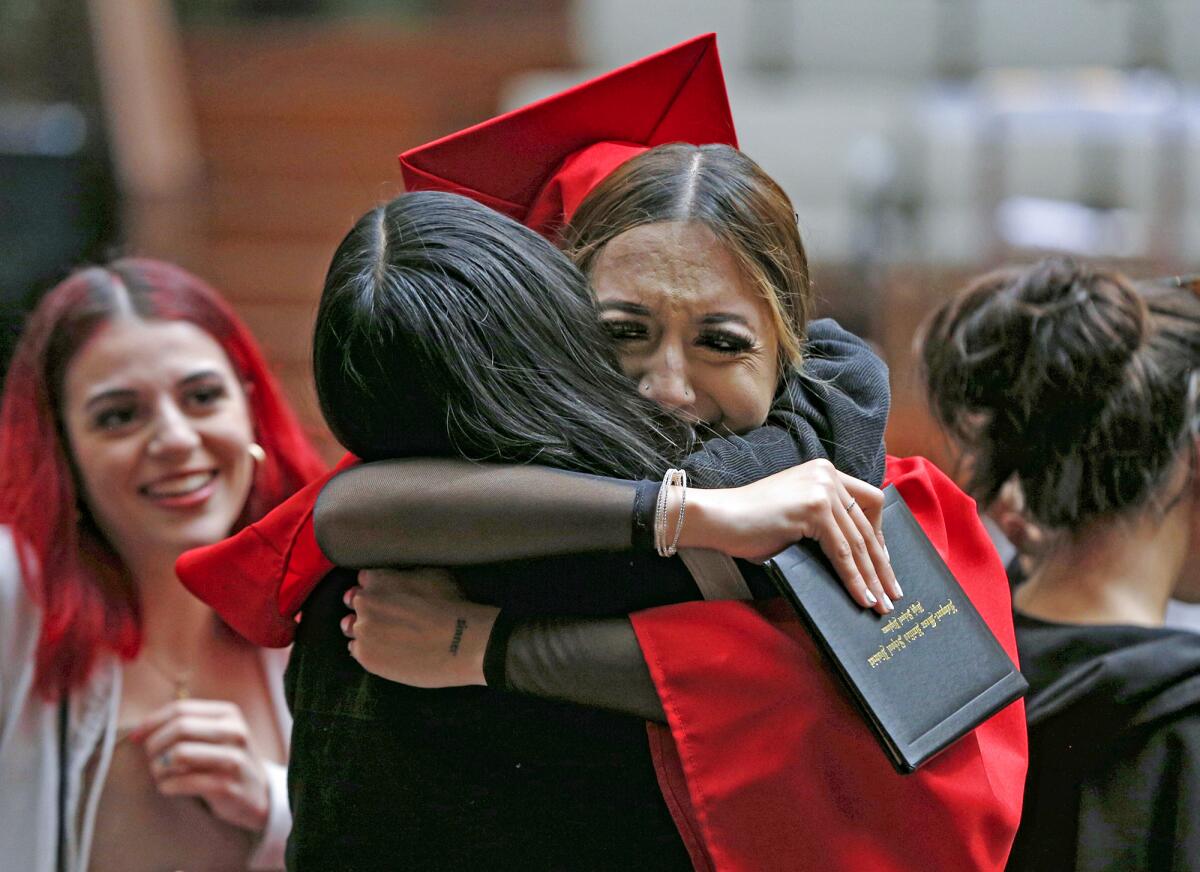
[{"x": 921, "y": 140}]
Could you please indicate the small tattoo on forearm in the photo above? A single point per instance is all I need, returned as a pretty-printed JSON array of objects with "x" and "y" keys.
[{"x": 459, "y": 626}]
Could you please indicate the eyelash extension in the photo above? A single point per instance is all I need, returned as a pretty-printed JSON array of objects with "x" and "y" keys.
[
  {"x": 625, "y": 330},
  {"x": 739, "y": 344}
]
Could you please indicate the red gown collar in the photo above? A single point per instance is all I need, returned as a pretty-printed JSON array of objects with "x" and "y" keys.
[{"x": 258, "y": 579}]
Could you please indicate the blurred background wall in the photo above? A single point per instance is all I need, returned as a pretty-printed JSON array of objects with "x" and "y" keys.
[{"x": 921, "y": 140}]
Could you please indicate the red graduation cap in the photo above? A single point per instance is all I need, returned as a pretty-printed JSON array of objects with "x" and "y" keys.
[{"x": 537, "y": 163}]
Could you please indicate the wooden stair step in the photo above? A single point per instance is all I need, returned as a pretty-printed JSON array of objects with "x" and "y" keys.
[
  {"x": 335, "y": 73},
  {"x": 271, "y": 272},
  {"x": 299, "y": 125},
  {"x": 349, "y": 152},
  {"x": 283, "y": 331},
  {"x": 257, "y": 208}
]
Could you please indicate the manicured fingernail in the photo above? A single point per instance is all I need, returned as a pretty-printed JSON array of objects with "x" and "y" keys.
[
  {"x": 870, "y": 598},
  {"x": 887, "y": 603},
  {"x": 348, "y": 596},
  {"x": 899, "y": 589},
  {"x": 346, "y": 625}
]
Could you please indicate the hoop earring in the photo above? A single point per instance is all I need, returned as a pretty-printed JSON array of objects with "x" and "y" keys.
[{"x": 256, "y": 452}]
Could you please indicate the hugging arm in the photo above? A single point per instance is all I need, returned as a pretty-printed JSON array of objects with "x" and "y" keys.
[
  {"x": 451, "y": 512},
  {"x": 444, "y": 512},
  {"x": 599, "y": 662},
  {"x": 438, "y": 512}
]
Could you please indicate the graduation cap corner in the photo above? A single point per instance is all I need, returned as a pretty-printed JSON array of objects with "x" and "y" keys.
[{"x": 537, "y": 163}]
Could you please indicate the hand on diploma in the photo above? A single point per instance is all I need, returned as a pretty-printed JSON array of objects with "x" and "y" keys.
[{"x": 810, "y": 501}]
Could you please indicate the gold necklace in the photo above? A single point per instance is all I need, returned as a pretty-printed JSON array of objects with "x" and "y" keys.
[{"x": 181, "y": 684}]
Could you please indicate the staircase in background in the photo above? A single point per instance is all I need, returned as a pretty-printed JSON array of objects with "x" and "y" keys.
[{"x": 299, "y": 125}]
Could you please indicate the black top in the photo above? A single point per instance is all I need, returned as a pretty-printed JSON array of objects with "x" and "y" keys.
[
  {"x": 386, "y": 776},
  {"x": 1114, "y": 748},
  {"x": 469, "y": 778}
]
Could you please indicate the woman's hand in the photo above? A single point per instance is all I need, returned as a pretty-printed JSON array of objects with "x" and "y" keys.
[
  {"x": 201, "y": 748},
  {"x": 414, "y": 627},
  {"x": 810, "y": 501}
]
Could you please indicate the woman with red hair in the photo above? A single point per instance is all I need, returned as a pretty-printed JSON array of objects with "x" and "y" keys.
[{"x": 138, "y": 420}]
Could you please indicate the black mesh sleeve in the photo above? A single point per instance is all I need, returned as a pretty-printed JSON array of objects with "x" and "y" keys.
[
  {"x": 455, "y": 513},
  {"x": 590, "y": 661}
]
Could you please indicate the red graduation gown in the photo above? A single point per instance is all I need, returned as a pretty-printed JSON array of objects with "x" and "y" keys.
[{"x": 767, "y": 765}]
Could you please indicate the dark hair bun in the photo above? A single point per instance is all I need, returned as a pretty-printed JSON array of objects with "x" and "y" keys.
[{"x": 1023, "y": 362}]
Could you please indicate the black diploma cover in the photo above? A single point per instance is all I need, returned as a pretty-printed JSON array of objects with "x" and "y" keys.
[{"x": 924, "y": 675}]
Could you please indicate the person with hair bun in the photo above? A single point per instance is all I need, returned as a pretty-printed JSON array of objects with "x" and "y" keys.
[
  {"x": 1084, "y": 391},
  {"x": 137, "y": 731}
]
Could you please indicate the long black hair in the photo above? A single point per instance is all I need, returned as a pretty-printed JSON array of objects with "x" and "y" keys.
[{"x": 447, "y": 328}]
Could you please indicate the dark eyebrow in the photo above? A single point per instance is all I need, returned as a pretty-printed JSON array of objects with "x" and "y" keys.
[
  {"x": 129, "y": 393},
  {"x": 719, "y": 317},
  {"x": 106, "y": 396},
  {"x": 626, "y": 307},
  {"x": 200, "y": 375}
]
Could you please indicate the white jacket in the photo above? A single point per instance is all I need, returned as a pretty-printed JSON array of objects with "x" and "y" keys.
[{"x": 29, "y": 745}]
